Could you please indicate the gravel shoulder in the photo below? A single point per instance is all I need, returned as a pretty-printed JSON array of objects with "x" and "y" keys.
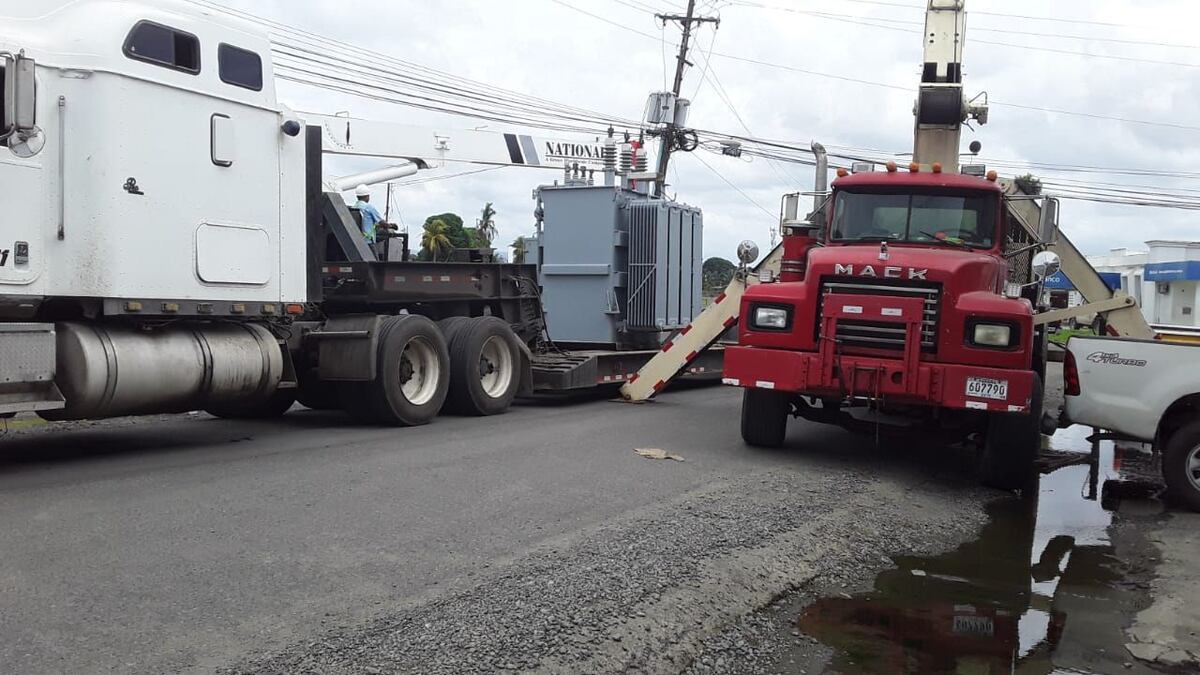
[{"x": 644, "y": 594}]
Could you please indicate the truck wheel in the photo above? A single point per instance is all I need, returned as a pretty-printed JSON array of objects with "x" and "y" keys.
[
  {"x": 274, "y": 406},
  {"x": 485, "y": 358},
  {"x": 1181, "y": 466},
  {"x": 765, "y": 417},
  {"x": 1011, "y": 445},
  {"x": 412, "y": 376}
]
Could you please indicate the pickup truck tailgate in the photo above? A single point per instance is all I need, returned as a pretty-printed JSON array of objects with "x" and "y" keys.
[{"x": 1126, "y": 385}]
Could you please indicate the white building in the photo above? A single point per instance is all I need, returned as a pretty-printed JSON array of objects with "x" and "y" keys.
[
  {"x": 1164, "y": 279},
  {"x": 1172, "y": 275}
]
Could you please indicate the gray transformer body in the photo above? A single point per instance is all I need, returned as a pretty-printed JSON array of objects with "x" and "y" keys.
[{"x": 618, "y": 268}]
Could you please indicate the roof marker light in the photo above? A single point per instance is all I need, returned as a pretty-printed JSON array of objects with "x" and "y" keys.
[
  {"x": 914, "y": 167},
  {"x": 937, "y": 167},
  {"x": 842, "y": 172},
  {"x": 992, "y": 175},
  {"x": 891, "y": 167}
]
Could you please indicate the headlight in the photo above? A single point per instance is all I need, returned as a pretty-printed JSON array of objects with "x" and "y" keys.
[
  {"x": 992, "y": 335},
  {"x": 770, "y": 318}
]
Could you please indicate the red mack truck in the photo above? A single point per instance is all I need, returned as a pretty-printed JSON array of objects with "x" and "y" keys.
[{"x": 906, "y": 304}]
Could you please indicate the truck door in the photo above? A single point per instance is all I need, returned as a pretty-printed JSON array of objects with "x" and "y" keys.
[{"x": 237, "y": 241}]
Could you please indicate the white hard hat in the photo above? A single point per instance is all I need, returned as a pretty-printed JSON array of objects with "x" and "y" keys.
[{"x": 362, "y": 191}]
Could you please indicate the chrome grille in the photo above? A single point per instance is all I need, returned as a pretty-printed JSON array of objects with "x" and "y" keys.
[{"x": 879, "y": 334}]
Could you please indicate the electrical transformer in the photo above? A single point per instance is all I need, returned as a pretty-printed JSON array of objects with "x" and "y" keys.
[{"x": 618, "y": 268}]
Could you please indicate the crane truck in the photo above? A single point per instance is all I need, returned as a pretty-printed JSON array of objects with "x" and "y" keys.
[
  {"x": 910, "y": 296},
  {"x": 170, "y": 242}
]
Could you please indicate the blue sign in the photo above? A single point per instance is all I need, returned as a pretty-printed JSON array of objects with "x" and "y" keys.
[
  {"x": 1188, "y": 270},
  {"x": 1060, "y": 281}
]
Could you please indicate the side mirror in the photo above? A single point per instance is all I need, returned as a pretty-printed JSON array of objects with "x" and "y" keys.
[
  {"x": 1048, "y": 227},
  {"x": 1046, "y": 264},
  {"x": 20, "y": 95},
  {"x": 791, "y": 208},
  {"x": 747, "y": 252}
]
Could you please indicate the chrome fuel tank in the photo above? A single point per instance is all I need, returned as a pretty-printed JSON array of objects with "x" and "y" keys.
[{"x": 110, "y": 371}]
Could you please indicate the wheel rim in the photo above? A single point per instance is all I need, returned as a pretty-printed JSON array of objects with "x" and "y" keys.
[
  {"x": 495, "y": 366},
  {"x": 1193, "y": 467},
  {"x": 419, "y": 371}
]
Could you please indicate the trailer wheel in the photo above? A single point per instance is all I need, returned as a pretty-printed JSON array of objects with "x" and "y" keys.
[
  {"x": 412, "y": 380},
  {"x": 485, "y": 359},
  {"x": 1011, "y": 445},
  {"x": 765, "y": 417},
  {"x": 274, "y": 406},
  {"x": 1181, "y": 466}
]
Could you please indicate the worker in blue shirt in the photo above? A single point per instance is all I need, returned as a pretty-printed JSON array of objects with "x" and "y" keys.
[{"x": 370, "y": 215}]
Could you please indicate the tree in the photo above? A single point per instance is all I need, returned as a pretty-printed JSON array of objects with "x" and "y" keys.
[
  {"x": 519, "y": 250},
  {"x": 486, "y": 225},
  {"x": 718, "y": 272},
  {"x": 458, "y": 236},
  {"x": 434, "y": 240},
  {"x": 1029, "y": 184}
]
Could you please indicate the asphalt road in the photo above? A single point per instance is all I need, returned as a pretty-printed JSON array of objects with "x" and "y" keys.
[{"x": 534, "y": 540}]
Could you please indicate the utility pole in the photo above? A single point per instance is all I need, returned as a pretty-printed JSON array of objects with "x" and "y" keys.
[{"x": 685, "y": 20}]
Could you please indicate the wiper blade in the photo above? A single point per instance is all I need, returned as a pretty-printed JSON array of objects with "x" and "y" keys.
[
  {"x": 933, "y": 238},
  {"x": 872, "y": 237}
]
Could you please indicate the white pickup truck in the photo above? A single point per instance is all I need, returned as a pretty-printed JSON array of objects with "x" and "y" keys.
[{"x": 1146, "y": 390}]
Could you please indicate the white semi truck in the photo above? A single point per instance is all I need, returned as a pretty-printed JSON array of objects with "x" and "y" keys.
[{"x": 168, "y": 241}]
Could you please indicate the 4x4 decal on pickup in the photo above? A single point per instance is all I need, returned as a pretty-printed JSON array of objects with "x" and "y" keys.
[{"x": 1114, "y": 359}]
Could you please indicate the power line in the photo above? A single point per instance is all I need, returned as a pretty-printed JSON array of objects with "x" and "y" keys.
[
  {"x": 308, "y": 43},
  {"x": 604, "y": 19},
  {"x": 894, "y": 25},
  {"x": 855, "y": 80},
  {"x": 984, "y": 29},
  {"x": 1026, "y": 17},
  {"x": 448, "y": 176},
  {"x": 747, "y": 197}
]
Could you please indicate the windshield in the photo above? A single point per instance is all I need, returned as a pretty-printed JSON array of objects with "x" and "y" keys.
[{"x": 958, "y": 219}]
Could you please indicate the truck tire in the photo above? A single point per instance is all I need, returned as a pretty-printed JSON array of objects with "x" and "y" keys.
[
  {"x": 413, "y": 376},
  {"x": 765, "y": 417},
  {"x": 485, "y": 362},
  {"x": 275, "y": 406},
  {"x": 1011, "y": 445},
  {"x": 1181, "y": 466}
]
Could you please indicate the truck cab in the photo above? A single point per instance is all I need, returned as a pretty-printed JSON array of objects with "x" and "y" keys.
[{"x": 904, "y": 304}]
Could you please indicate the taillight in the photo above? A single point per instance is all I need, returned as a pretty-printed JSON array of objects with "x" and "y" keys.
[{"x": 1070, "y": 375}]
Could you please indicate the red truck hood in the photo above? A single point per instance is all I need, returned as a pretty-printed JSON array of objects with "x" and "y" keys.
[{"x": 957, "y": 270}]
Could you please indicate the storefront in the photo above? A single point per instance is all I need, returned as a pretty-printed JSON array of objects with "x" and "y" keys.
[{"x": 1176, "y": 291}]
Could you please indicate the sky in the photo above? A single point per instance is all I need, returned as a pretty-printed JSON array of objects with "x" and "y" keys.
[{"x": 1147, "y": 69}]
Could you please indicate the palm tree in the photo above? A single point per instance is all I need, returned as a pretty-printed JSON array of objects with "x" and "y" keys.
[
  {"x": 434, "y": 240},
  {"x": 519, "y": 250},
  {"x": 487, "y": 224}
]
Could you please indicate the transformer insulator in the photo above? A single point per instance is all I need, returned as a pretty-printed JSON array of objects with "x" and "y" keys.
[{"x": 610, "y": 156}]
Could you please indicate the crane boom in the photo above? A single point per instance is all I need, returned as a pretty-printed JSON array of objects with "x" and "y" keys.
[
  {"x": 941, "y": 107},
  {"x": 427, "y": 147}
]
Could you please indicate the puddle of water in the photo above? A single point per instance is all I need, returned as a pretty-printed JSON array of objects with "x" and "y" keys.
[{"x": 1002, "y": 603}]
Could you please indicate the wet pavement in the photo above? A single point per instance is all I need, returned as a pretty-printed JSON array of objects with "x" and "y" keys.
[{"x": 1048, "y": 586}]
